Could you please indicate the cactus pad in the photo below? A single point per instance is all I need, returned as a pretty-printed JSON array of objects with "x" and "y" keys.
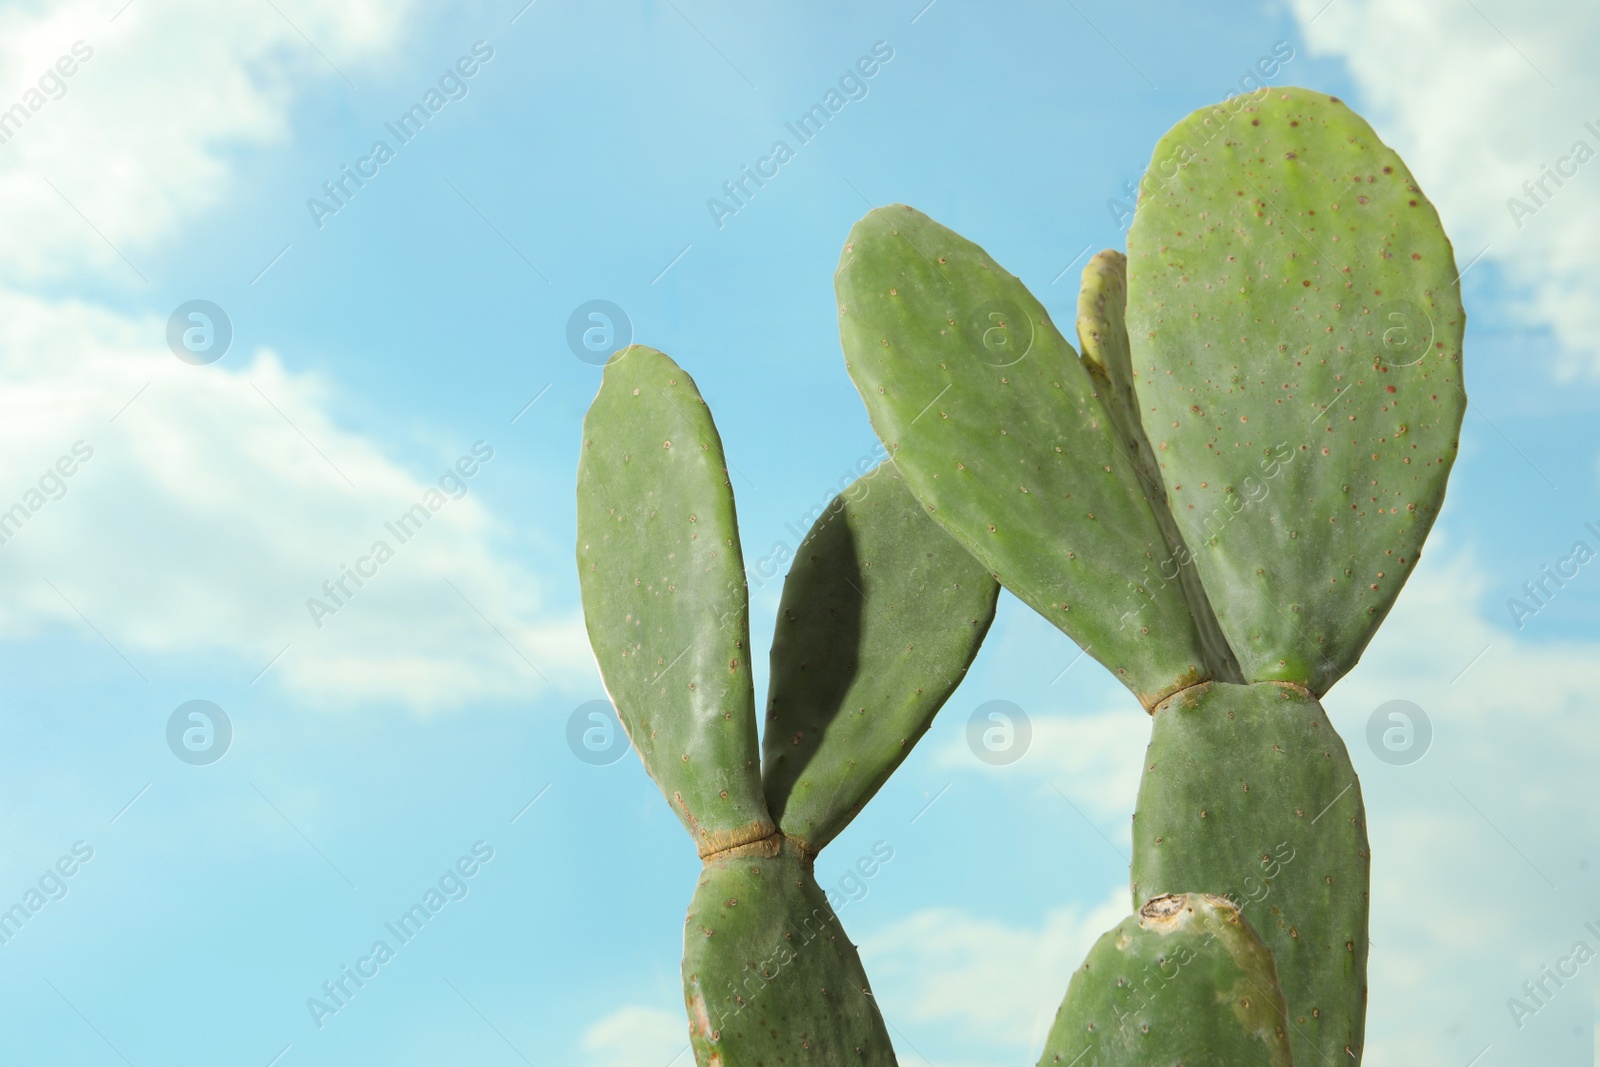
[
  {"x": 1249, "y": 793},
  {"x": 1296, "y": 324},
  {"x": 881, "y": 614},
  {"x": 1003, "y": 434},
  {"x": 1103, "y": 340},
  {"x": 1184, "y": 981},
  {"x": 664, "y": 594},
  {"x": 769, "y": 976}
]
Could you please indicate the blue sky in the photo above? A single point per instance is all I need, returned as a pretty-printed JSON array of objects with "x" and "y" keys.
[{"x": 371, "y": 353}]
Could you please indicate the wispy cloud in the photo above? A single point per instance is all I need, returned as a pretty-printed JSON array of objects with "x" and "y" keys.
[
  {"x": 980, "y": 980},
  {"x": 219, "y": 500},
  {"x": 635, "y": 1035},
  {"x": 168, "y": 95}
]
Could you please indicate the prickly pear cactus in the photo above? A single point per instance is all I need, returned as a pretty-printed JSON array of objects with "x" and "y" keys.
[
  {"x": 1185, "y": 980},
  {"x": 1219, "y": 499},
  {"x": 1103, "y": 340},
  {"x": 881, "y": 615},
  {"x": 1296, "y": 326}
]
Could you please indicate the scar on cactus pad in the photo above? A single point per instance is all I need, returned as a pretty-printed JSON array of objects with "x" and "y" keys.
[
  {"x": 1219, "y": 499},
  {"x": 880, "y": 616}
]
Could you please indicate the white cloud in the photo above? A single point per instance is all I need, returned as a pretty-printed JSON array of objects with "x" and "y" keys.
[
  {"x": 145, "y": 134},
  {"x": 207, "y": 518},
  {"x": 1475, "y": 115},
  {"x": 982, "y": 979},
  {"x": 1498, "y": 805},
  {"x": 205, "y": 521},
  {"x": 1462, "y": 841},
  {"x": 635, "y": 1035},
  {"x": 1093, "y": 759}
]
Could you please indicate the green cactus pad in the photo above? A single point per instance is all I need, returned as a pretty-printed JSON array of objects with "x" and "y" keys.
[
  {"x": 1296, "y": 324},
  {"x": 1001, "y": 433},
  {"x": 664, "y": 594},
  {"x": 1185, "y": 981},
  {"x": 769, "y": 976},
  {"x": 1103, "y": 340},
  {"x": 1248, "y": 792},
  {"x": 882, "y": 612}
]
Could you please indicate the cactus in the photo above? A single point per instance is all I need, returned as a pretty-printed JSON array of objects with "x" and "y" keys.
[
  {"x": 880, "y": 617},
  {"x": 1183, "y": 980},
  {"x": 1219, "y": 499}
]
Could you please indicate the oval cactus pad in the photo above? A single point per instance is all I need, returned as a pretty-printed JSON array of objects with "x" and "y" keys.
[
  {"x": 1003, "y": 435},
  {"x": 882, "y": 612},
  {"x": 1185, "y": 981},
  {"x": 1296, "y": 325},
  {"x": 664, "y": 594}
]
